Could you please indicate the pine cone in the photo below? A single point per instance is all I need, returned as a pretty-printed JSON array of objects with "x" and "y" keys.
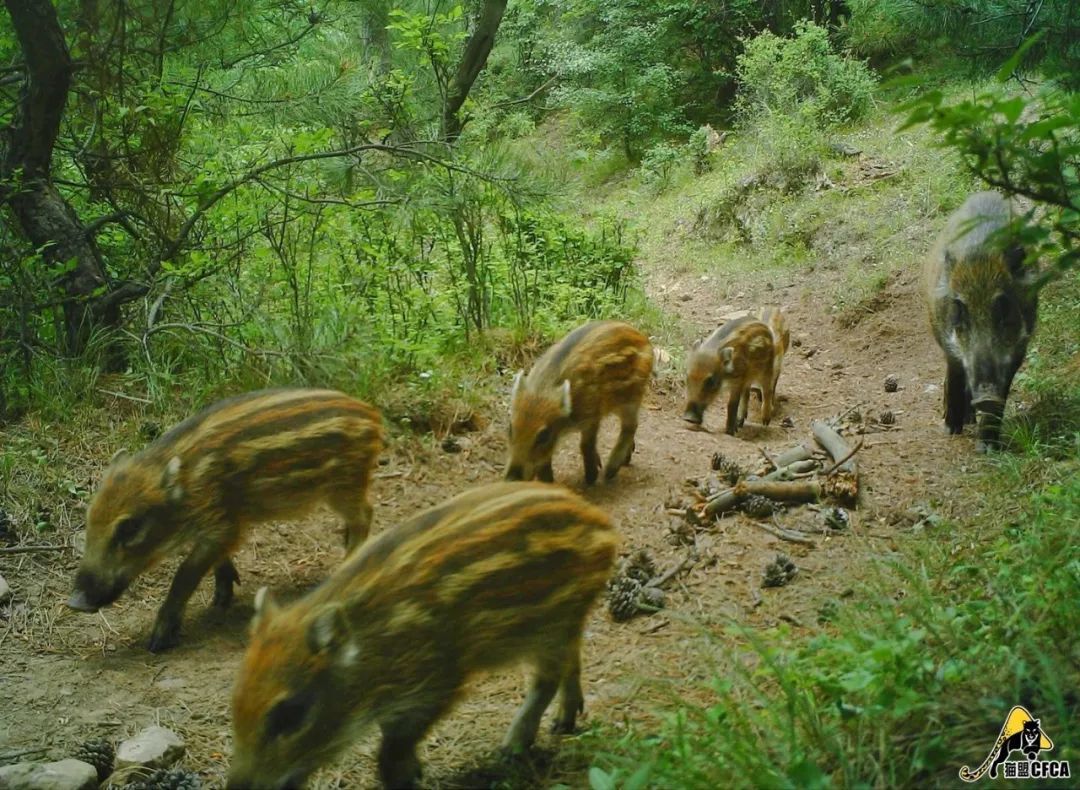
[
  {"x": 779, "y": 572},
  {"x": 640, "y": 567},
  {"x": 837, "y": 519},
  {"x": 892, "y": 384},
  {"x": 99, "y": 754},
  {"x": 728, "y": 469},
  {"x": 622, "y": 599},
  {"x": 167, "y": 779},
  {"x": 887, "y": 418},
  {"x": 758, "y": 506}
]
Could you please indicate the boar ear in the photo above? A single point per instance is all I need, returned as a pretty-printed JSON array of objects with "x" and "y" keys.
[
  {"x": 265, "y": 608},
  {"x": 119, "y": 455},
  {"x": 566, "y": 404},
  {"x": 516, "y": 386},
  {"x": 327, "y": 630},
  {"x": 727, "y": 356},
  {"x": 170, "y": 480}
]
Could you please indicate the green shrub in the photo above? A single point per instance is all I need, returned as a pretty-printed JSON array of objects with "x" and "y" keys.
[
  {"x": 660, "y": 162},
  {"x": 802, "y": 76}
]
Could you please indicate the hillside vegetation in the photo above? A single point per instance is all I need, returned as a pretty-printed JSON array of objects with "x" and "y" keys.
[{"x": 200, "y": 199}]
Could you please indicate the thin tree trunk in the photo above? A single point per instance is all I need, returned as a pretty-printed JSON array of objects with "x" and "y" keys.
[
  {"x": 473, "y": 60},
  {"x": 45, "y": 218}
]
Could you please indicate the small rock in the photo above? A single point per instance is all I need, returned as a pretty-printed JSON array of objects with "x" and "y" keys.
[
  {"x": 61, "y": 775},
  {"x": 809, "y": 352},
  {"x": 5, "y": 591},
  {"x": 844, "y": 149},
  {"x": 451, "y": 445},
  {"x": 892, "y": 384},
  {"x": 154, "y": 747},
  {"x": 787, "y": 422},
  {"x": 796, "y": 342},
  {"x": 838, "y": 366},
  {"x": 686, "y": 297}
]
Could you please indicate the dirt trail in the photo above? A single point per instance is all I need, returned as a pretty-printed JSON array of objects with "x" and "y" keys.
[{"x": 65, "y": 677}]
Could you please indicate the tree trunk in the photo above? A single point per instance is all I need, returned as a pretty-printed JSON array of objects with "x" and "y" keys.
[
  {"x": 473, "y": 60},
  {"x": 45, "y": 218}
]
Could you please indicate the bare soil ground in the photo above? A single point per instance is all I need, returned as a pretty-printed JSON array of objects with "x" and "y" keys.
[{"x": 66, "y": 677}]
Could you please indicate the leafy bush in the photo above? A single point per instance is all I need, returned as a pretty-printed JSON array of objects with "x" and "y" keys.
[
  {"x": 897, "y": 692},
  {"x": 1024, "y": 145},
  {"x": 802, "y": 76},
  {"x": 659, "y": 163},
  {"x": 980, "y": 31}
]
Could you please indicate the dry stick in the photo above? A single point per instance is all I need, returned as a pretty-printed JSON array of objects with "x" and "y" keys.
[
  {"x": 31, "y": 549},
  {"x": 845, "y": 459},
  {"x": 665, "y": 577},
  {"x": 768, "y": 459},
  {"x": 845, "y": 413},
  {"x": 135, "y": 398},
  {"x": 785, "y": 534}
]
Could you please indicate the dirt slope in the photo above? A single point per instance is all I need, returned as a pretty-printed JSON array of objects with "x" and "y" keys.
[{"x": 66, "y": 677}]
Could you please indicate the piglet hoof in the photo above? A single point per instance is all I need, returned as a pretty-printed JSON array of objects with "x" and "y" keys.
[
  {"x": 563, "y": 727},
  {"x": 164, "y": 638},
  {"x": 223, "y": 597}
]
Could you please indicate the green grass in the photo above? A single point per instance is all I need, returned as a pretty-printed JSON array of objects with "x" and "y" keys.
[{"x": 903, "y": 689}]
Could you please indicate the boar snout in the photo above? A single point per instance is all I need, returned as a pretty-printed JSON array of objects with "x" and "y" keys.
[
  {"x": 91, "y": 592},
  {"x": 694, "y": 413}
]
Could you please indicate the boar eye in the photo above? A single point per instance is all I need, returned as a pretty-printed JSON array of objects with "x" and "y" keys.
[
  {"x": 287, "y": 716},
  {"x": 543, "y": 437},
  {"x": 959, "y": 314},
  {"x": 127, "y": 531}
]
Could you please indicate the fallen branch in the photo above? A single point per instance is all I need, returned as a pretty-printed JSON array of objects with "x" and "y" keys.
[
  {"x": 134, "y": 398},
  {"x": 785, "y": 534},
  {"x": 834, "y": 444},
  {"x": 795, "y": 454},
  {"x": 780, "y": 491},
  {"x": 790, "y": 471},
  {"x": 845, "y": 459},
  {"x": 31, "y": 549},
  {"x": 773, "y": 465},
  {"x": 842, "y": 481},
  {"x": 667, "y": 576}
]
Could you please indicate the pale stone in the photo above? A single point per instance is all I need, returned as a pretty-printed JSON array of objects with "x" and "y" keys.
[
  {"x": 154, "y": 747},
  {"x": 62, "y": 775}
]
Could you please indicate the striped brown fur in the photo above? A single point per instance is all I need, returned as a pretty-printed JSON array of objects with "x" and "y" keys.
[
  {"x": 500, "y": 574},
  {"x": 774, "y": 318},
  {"x": 272, "y": 454},
  {"x": 739, "y": 354},
  {"x": 598, "y": 369}
]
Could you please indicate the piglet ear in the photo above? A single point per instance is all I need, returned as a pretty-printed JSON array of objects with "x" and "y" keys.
[
  {"x": 119, "y": 455},
  {"x": 170, "y": 480},
  {"x": 566, "y": 403},
  {"x": 328, "y": 630},
  {"x": 516, "y": 387},
  {"x": 727, "y": 359},
  {"x": 265, "y": 608}
]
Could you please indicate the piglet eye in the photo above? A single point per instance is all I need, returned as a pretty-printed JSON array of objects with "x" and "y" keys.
[
  {"x": 127, "y": 531},
  {"x": 543, "y": 437},
  {"x": 711, "y": 382},
  {"x": 287, "y": 716}
]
